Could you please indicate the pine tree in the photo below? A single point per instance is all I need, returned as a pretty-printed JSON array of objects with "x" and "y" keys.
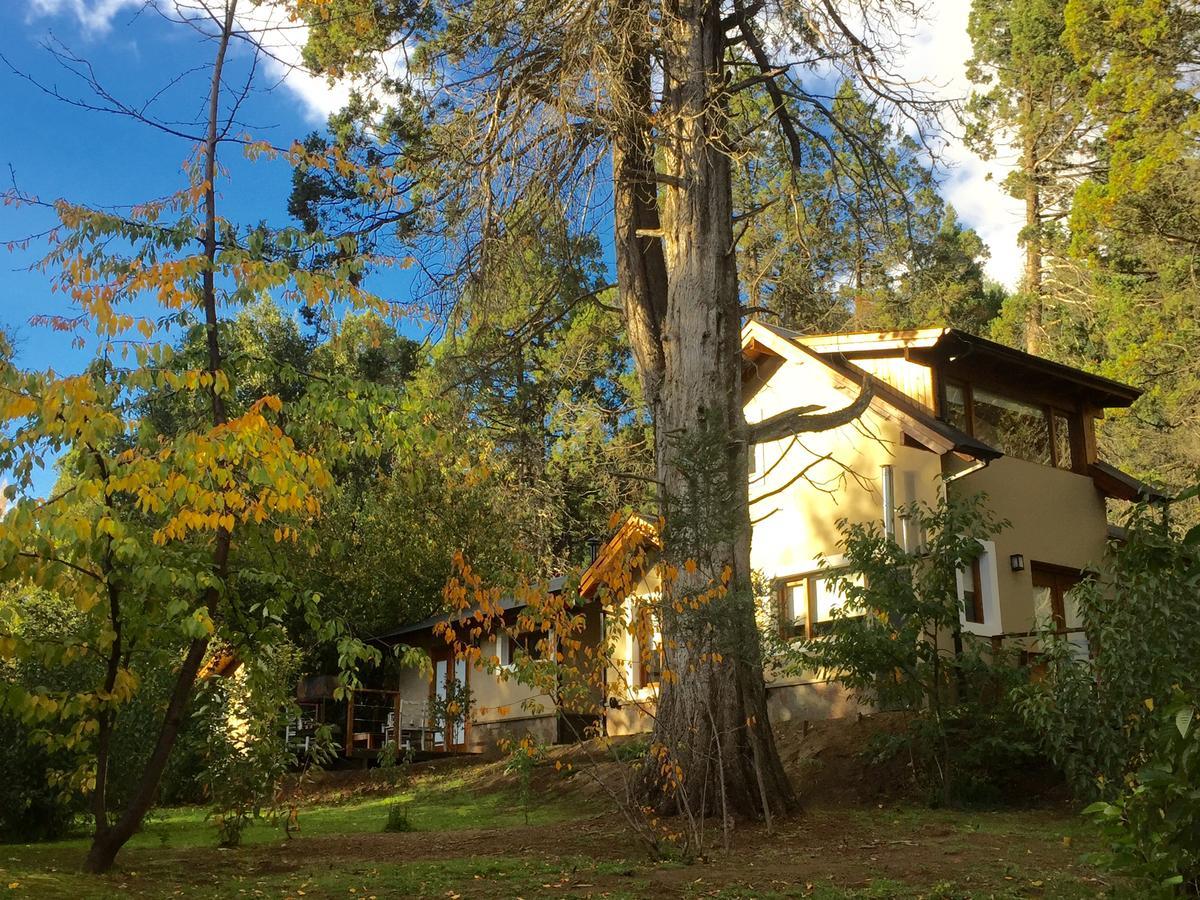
[{"x": 1031, "y": 97}]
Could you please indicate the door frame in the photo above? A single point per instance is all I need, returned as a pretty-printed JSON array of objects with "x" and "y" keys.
[
  {"x": 1059, "y": 580},
  {"x": 451, "y": 659}
]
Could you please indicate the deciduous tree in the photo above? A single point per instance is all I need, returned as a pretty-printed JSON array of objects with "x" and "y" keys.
[{"x": 145, "y": 529}]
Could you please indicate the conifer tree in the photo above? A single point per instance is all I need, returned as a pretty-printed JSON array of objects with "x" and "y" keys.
[
  {"x": 628, "y": 111},
  {"x": 1030, "y": 102}
]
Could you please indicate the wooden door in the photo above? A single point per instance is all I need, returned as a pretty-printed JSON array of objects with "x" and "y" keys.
[{"x": 1050, "y": 587}]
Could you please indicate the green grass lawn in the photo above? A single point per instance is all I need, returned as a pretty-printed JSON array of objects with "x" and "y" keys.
[
  {"x": 433, "y": 805},
  {"x": 470, "y": 840}
]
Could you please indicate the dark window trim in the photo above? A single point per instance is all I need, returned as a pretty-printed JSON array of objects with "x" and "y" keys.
[{"x": 1074, "y": 419}]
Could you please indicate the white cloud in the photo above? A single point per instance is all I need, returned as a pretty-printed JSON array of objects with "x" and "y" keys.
[
  {"x": 267, "y": 23},
  {"x": 939, "y": 53},
  {"x": 95, "y": 17},
  {"x": 284, "y": 42}
]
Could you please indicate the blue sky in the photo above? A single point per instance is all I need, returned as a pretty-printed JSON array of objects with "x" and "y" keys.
[
  {"x": 52, "y": 149},
  {"x": 55, "y": 150}
]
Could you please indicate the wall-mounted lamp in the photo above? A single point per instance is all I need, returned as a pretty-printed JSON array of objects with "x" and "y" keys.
[
  {"x": 1017, "y": 562},
  {"x": 593, "y": 547}
]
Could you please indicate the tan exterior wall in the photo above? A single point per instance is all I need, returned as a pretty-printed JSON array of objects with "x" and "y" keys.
[
  {"x": 1056, "y": 517},
  {"x": 495, "y": 698},
  {"x": 797, "y": 517}
]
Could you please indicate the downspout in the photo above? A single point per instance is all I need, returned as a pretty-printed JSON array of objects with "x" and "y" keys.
[
  {"x": 888, "y": 477},
  {"x": 978, "y": 464}
]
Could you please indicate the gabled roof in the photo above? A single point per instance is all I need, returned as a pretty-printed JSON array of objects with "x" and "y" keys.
[
  {"x": 556, "y": 585},
  {"x": 953, "y": 345},
  {"x": 635, "y": 530},
  {"x": 914, "y": 419}
]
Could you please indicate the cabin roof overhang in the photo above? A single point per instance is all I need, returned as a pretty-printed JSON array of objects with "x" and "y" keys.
[
  {"x": 506, "y": 604},
  {"x": 761, "y": 341},
  {"x": 959, "y": 352},
  {"x": 1122, "y": 486}
]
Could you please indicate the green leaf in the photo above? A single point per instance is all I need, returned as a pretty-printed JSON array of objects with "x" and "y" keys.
[{"x": 1183, "y": 719}]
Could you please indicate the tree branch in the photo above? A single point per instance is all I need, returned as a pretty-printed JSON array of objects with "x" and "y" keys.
[{"x": 803, "y": 419}]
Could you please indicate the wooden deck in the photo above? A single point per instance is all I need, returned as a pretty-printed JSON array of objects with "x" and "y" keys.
[{"x": 376, "y": 718}]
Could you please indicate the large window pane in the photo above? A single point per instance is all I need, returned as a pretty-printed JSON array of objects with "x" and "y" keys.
[
  {"x": 956, "y": 406},
  {"x": 795, "y": 609},
  {"x": 1015, "y": 428},
  {"x": 826, "y": 598},
  {"x": 1062, "y": 441}
]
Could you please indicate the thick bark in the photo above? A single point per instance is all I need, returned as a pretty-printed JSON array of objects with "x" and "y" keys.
[
  {"x": 685, "y": 328},
  {"x": 109, "y": 839}
]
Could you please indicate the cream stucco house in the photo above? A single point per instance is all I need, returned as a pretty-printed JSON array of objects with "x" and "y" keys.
[{"x": 951, "y": 413}]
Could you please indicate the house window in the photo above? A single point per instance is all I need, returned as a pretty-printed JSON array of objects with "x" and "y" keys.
[
  {"x": 973, "y": 596},
  {"x": 979, "y": 593},
  {"x": 1060, "y": 428},
  {"x": 533, "y": 644},
  {"x": 956, "y": 406},
  {"x": 807, "y": 604},
  {"x": 504, "y": 649},
  {"x": 1018, "y": 428},
  {"x": 793, "y": 620},
  {"x": 646, "y": 644}
]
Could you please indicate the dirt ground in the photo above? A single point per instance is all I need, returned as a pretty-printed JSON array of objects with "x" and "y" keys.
[
  {"x": 860, "y": 834},
  {"x": 882, "y": 852}
]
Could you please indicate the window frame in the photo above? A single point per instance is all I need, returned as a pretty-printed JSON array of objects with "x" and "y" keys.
[
  {"x": 522, "y": 641},
  {"x": 973, "y": 610},
  {"x": 647, "y": 674},
  {"x": 812, "y": 628},
  {"x": 1050, "y": 413},
  {"x": 981, "y": 577}
]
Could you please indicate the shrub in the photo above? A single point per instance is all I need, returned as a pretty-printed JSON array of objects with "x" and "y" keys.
[
  {"x": 34, "y": 804},
  {"x": 1153, "y": 823},
  {"x": 897, "y": 641},
  {"x": 1141, "y": 614},
  {"x": 398, "y": 819},
  {"x": 523, "y": 757}
]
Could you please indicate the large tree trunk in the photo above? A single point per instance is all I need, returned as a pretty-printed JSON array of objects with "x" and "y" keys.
[{"x": 712, "y": 715}]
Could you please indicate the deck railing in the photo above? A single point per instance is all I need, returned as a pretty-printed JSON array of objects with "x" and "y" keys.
[
  {"x": 1029, "y": 654},
  {"x": 376, "y": 717}
]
